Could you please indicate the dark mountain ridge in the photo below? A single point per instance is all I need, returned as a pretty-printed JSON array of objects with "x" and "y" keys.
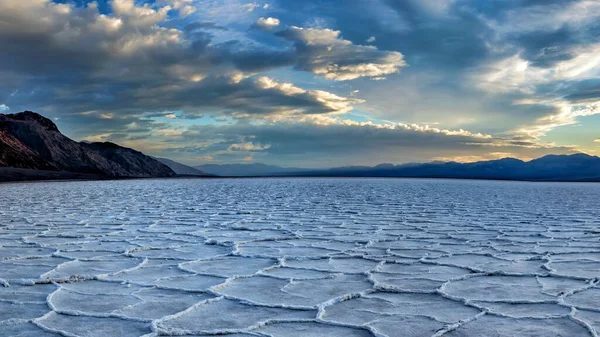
[
  {"x": 575, "y": 167},
  {"x": 31, "y": 141}
]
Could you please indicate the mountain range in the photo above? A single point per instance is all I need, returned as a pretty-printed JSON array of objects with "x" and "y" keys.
[
  {"x": 32, "y": 147},
  {"x": 575, "y": 167}
]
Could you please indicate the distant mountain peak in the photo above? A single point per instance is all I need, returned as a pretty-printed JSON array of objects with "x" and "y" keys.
[
  {"x": 30, "y": 116},
  {"x": 575, "y": 155},
  {"x": 182, "y": 169}
]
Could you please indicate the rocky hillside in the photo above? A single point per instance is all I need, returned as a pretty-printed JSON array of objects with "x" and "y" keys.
[
  {"x": 183, "y": 170},
  {"x": 31, "y": 141}
]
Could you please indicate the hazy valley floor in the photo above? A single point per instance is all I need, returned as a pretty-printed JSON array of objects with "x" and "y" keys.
[{"x": 299, "y": 257}]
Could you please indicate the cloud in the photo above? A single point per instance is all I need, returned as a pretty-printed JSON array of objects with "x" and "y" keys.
[
  {"x": 493, "y": 78},
  {"x": 247, "y": 146},
  {"x": 249, "y": 7},
  {"x": 536, "y": 16},
  {"x": 597, "y": 140},
  {"x": 126, "y": 64},
  {"x": 4, "y": 108},
  {"x": 324, "y": 52},
  {"x": 566, "y": 114},
  {"x": 267, "y": 23},
  {"x": 325, "y": 141},
  {"x": 185, "y": 7}
]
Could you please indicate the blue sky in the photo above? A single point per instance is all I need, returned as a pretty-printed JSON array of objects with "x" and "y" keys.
[{"x": 311, "y": 83}]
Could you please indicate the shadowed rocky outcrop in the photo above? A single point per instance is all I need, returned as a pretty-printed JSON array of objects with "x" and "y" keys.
[{"x": 31, "y": 141}]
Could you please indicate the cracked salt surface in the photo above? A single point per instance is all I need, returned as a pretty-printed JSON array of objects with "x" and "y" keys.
[{"x": 299, "y": 257}]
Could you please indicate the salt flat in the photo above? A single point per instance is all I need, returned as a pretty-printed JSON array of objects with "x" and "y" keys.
[{"x": 299, "y": 257}]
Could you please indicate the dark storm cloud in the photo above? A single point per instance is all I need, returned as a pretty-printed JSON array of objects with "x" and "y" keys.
[
  {"x": 546, "y": 48},
  {"x": 584, "y": 91}
]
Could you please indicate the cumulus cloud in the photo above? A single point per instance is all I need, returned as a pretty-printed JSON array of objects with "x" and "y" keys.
[
  {"x": 325, "y": 53},
  {"x": 126, "y": 64},
  {"x": 267, "y": 23},
  {"x": 185, "y": 7}
]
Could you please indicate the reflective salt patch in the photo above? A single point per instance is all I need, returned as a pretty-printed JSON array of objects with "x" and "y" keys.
[
  {"x": 149, "y": 272},
  {"x": 25, "y": 329},
  {"x": 335, "y": 265},
  {"x": 406, "y": 326},
  {"x": 158, "y": 303},
  {"x": 422, "y": 270},
  {"x": 193, "y": 283},
  {"x": 391, "y": 282},
  {"x": 18, "y": 311},
  {"x": 29, "y": 270},
  {"x": 281, "y": 249},
  {"x": 12, "y": 252},
  {"x": 300, "y": 293},
  {"x": 85, "y": 326},
  {"x": 370, "y": 307},
  {"x": 94, "y": 287},
  {"x": 25, "y": 294},
  {"x": 498, "y": 288},
  {"x": 188, "y": 252},
  {"x": 89, "y": 269},
  {"x": 490, "y": 325},
  {"x": 297, "y": 274},
  {"x": 223, "y": 316},
  {"x": 229, "y": 266},
  {"x": 584, "y": 299},
  {"x": 582, "y": 269},
  {"x": 592, "y": 318},
  {"x": 307, "y": 329},
  {"x": 525, "y": 310},
  {"x": 557, "y": 286},
  {"x": 490, "y": 264},
  {"x": 88, "y": 255},
  {"x": 74, "y": 303}
]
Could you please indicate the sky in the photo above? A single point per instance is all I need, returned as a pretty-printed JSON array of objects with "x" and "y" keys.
[{"x": 310, "y": 83}]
